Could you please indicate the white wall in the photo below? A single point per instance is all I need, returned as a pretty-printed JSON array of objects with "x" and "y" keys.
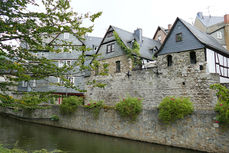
[{"x": 213, "y": 58}]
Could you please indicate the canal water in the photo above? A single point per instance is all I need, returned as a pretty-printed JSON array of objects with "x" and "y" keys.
[{"x": 31, "y": 136}]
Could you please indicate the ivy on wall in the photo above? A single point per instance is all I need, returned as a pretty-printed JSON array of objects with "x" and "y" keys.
[{"x": 133, "y": 54}]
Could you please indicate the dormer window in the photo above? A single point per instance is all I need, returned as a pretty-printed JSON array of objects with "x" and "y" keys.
[
  {"x": 110, "y": 48},
  {"x": 109, "y": 33},
  {"x": 66, "y": 35},
  {"x": 219, "y": 35},
  {"x": 169, "y": 60},
  {"x": 159, "y": 38},
  {"x": 179, "y": 37}
]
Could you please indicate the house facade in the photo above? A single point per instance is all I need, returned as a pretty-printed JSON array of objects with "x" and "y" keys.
[
  {"x": 161, "y": 33},
  {"x": 61, "y": 59},
  {"x": 112, "y": 53},
  {"x": 188, "y": 50},
  {"x": 216, "y": 26}
]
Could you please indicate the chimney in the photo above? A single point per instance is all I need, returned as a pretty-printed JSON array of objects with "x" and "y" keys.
[
  {"x": 200, "y": 15},
  {"x": 226, "y": 18},
  {"x": 226, "y": 30},
  {"x": 169, "y": 27},
  {"x": 138, "y": 35}
]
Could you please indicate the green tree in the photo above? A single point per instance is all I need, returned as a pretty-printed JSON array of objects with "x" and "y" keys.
[{"x": 22, "y": 24}]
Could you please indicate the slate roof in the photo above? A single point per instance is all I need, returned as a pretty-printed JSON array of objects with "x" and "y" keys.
[
  {"x": 210, "y": 20},
  {"x": 146, "y": 46},
  {"x": 204, "y": 38},
  {"x": 91, "y": 42}
]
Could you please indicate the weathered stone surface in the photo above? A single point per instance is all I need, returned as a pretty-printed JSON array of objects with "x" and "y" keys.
[
  {"x": 196, "y": 131},
  {"x": 180, "y": 79}
]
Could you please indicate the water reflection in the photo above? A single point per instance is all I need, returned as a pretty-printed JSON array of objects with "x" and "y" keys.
[{"x": 33, "y": 137}]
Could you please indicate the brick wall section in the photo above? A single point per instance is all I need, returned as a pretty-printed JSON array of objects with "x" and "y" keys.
[{"x": 181, "y": 79}]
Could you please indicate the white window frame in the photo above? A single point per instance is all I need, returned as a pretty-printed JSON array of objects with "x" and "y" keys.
[
  {"x": 68, "y": 62},
  {"x": 71, "y": 79},
  {"x": 219, "y": 35},
  {"x": 34, "y": 83},
  {"x": 159, "y": 38},
  {"x": 24, "y": 84},
  {"x": 66, "y": 35},
  {"x": 61, "y": 63}
]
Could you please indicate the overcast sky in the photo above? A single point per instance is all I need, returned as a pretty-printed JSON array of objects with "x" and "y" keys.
[{"x": 147, "y": 14}]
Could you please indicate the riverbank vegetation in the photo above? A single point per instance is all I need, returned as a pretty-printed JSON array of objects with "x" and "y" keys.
[
  {"x": 222, "y": 106},
  {"x": 172, "y": 109},
  {"x": 16, "y": 150},
  {"x": 95, "y": 107},
  {"x": 70, "y": 104},
  {"x": 28, "y": 102},
  {"x": 129, "y": 107}
]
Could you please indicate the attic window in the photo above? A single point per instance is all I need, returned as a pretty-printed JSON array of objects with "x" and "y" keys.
[
  {"x": 66, "y": 35},
  {"x": 169, "y": 60},
  {"x": 110, "y": 48},
  {"x": 179, "y": 37},
  {"x": 109, "y": 33},
  {"x": 193, "y": 57}
]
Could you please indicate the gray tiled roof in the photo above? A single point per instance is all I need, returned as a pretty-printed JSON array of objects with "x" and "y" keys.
[
  {"x": 210, "y": 20},
  {"x": 91, "y": 42},
  {"x": 146, "y": 46},
  {"x": 205, "y": 38}
]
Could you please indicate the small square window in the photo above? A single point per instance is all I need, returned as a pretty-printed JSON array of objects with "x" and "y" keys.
[
  {"x": 68, "y": 63},
  {"x": 110, "y": 34},
  {"x": 34, "y": 83},
  {"x": 66, "y": 35},
  {"x": 178, "y": 37},
  {"x": 61, "y": 63},
  {"x": 24, "y": 83}
]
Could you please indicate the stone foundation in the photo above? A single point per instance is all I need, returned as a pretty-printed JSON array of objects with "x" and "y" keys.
[{"x": 197, "y": 131}]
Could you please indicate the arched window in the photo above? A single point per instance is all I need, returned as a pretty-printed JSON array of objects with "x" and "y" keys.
[
  {"x": 169, "y": 60},
  {"x": 193, "y": 57}
]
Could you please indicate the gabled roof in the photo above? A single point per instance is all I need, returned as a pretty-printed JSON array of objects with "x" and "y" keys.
[
  {"x": 203, "y": 38},
  {"x": 208, "y": 21},
  {"x": 70, "y": 39},
  {"x": 162, "y": 29},
  {"x": 145, "y": 47}
]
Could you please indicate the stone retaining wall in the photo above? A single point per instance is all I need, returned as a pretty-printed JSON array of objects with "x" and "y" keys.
[{"x": 197, "y": 131}]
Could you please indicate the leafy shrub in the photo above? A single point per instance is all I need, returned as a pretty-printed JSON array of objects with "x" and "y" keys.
[
  {"x": 70, "y": 104},
  {"x": 129, "y": 107},
  {"x": 6, "y": 99},
  {"x": 171, "y": 108},
  {"x": 95, "y": 107},
  {"x": 28, "y": 102},
  {"x": 54, "y": 118},
  {"x": 222, "y": 106}
]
